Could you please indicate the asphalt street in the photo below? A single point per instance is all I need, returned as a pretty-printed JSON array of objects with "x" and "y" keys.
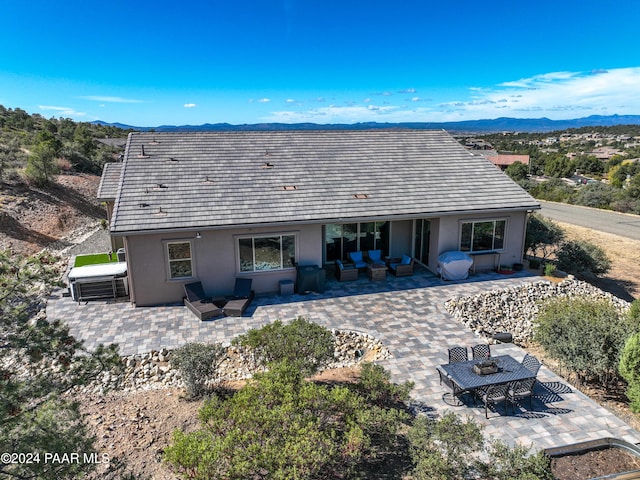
[{"x": 622, "y": 224}]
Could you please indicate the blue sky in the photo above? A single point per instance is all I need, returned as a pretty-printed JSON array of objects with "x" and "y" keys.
[{"x": 155, "y": 63}]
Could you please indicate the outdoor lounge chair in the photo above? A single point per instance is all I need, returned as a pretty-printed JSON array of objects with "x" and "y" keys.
[
  {"x": 375, "y": 256},
  {"x": 402, "y": 267},
  {"x": 356, "y": 257},
  {"x": 345, "y": 272},
  {"x": 241, "y": 298},
  {"x": 201, "y": 305}
]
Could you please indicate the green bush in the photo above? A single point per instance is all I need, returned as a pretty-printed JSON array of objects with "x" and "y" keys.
[
  {"x": 375, "y": 385},
  {"x": 582, "y": 258},
  {"x": 516, "y": 463},
  {"x": 280, "y": 426},
  {"x": 302, "y": 343},
  {"x": 629, "y": 369},
  {"x": 197, "y": 363},
  {"x": 448, "y": 448},
  {"x": 550, "y": 269},
  {"x": 585, "y": 335},
  {"x": 445, "y": 448}
]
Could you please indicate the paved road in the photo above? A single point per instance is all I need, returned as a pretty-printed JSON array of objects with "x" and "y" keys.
[{"x": 603, "y": 220}]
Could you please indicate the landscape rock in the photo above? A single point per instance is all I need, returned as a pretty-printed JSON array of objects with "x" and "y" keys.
[{"x": 514, "y": 309}]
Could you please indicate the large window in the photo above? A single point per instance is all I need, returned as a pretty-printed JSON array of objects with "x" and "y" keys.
[
  {"x": 342, "y": 238},
  {"x": 273, "y": 252},
  {"x": 179, "y": 259},
  {"x": 482, "y": 236}
]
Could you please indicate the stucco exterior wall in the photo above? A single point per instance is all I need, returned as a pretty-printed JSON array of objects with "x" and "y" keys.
[
  {"x": 401, "y": 237},
  {"x": 215, "y": 263},
  {"x": 448, "y": 237}
]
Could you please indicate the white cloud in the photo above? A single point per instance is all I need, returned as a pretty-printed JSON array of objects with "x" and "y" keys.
[
  {"x": 66, "y": 111},
  {"x": 264, "y": 100},
  {"x": 100, "y": 98},
  {"x": 290, "y": 100},
  {"x": 190, "y": 105},
  {"x": 556, "y": 95}
]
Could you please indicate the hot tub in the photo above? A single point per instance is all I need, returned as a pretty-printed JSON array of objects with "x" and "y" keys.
[{"x": 105, "y": 280}]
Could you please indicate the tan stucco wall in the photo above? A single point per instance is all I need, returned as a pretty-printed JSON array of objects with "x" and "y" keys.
[{"x": 215, "y": 263}]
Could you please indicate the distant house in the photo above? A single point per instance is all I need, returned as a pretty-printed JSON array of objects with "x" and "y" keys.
[
  {"x": 214, "y": 206},
  {"x": 503, "y": 160}
]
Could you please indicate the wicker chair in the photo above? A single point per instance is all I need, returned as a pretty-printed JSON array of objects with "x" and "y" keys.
[
  {"x": 481, "y": 351},
  {"x": 458, "y": 354},
  {"x": 401, "y": 267},
  {"x": 345, "y": 272}
]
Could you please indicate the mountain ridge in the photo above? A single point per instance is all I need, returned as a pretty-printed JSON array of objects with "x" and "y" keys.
[{"x": 537, "y": 125}]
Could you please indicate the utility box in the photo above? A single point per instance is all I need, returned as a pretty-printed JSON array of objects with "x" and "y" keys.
[{"x": 286, "y": 287}]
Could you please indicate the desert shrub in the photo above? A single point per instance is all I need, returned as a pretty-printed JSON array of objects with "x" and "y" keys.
[
  {"x": 376, "y": 387},
  {"x": 597, "y": 195},
  {"x": 516, "y": 463},
  {"x": 582, "y": 258},
  {"x": 302, "y": 343},
  {"x": 585, "y": 335},
  {"x": 444, "y": 448},
  {"x": 197, "y": 363},
  {"x": 449, "y": 447},
  {"x": 554, "y": 190},
  {"x": 280, "y": 426},
  {"x": 542, "y": 237},
  {"x": 550, "y": 269},
  {"x": 629, "y": 369}
]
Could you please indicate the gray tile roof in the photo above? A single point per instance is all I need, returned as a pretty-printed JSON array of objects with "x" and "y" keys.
[
  {"x": 108, "y": 188},
  {"x": 223, "y": 179}
]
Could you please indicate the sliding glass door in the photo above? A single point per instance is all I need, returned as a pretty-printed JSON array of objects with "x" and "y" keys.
[{"x": 421, "y": 240}]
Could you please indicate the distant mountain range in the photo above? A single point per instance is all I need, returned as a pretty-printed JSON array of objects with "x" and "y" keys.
[{"x": 468, "y": 126}]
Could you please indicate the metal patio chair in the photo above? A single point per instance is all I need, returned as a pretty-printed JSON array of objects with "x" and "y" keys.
[
  {"x": 458, "y": 354},
  {"x": 481, "y": 351}
]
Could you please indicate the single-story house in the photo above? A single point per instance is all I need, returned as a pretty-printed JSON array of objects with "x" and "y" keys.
[{"x": 214, "y": 206}]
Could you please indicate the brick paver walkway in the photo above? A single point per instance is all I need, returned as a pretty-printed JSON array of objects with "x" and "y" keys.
[{"x": 406, "y": 314}]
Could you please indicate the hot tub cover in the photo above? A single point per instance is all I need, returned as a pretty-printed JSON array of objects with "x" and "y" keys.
[
  {"x": 454, "y": 265},
  {"x": 115, "y": 269}
]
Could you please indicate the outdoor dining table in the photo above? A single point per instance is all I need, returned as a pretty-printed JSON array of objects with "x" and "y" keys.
[{"x": 509, "y": 370}]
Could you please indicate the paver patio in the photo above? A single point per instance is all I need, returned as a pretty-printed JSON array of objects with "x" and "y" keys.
[{"x": 406, "y": 314}]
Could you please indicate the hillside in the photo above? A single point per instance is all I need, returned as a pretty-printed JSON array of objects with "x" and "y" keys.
[{"x": 32, "y": 218}]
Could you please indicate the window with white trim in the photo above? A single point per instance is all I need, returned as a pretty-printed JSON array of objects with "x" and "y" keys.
[
  {"x": 482, "y": 236},
  {"x": 179, "y": 259},
  {"x": 268, "y": 252}
]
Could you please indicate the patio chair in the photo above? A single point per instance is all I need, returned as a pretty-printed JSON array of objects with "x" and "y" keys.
[
  {"x": 455, "y": 392},
  {"x": 521, "y": 389},
  {"x": 481, "y": 351},
  {"x": 458, "y": 354},
  {"x": 531, "y": 363},
  {"x": 493, "y": 395},
  {"x": 356, "y": 257},
  {"x": 345, "y": 272},
  {"x": 199, "y": 303},
  {"x": 402, "y": 267},
  {"x": 241, "y": 298},
  {"x": 375, "y": 256}
]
